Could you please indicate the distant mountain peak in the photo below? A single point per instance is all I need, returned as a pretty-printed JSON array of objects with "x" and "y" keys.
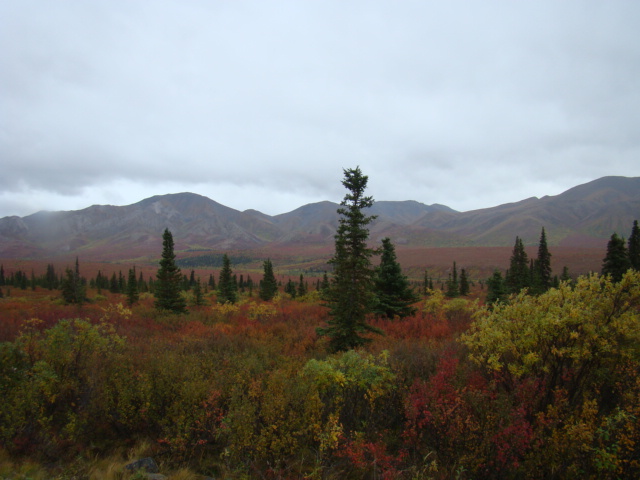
[{"x": 589, "y": 212}]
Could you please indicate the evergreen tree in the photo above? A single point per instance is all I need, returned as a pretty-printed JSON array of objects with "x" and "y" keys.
[
  {"x": 268, "y": 285},
  {"x": 616, "y": 262},
  {"x": 302, "y": 287},
  {"x": 227, "y": 287},
  {"x": 72, "y": 286},
  {"x": 133, "y": 294},
  {"x": 99, "y": 282},
  {"x": 167, "y": 288},
  {"x": 2, "y": 279},
  {"x": 50, "y": 278},
  {"x": 565, "y": 277},
  {"x": 543, "y": 266},
  {"x": 519, "y": 275},
  {"x": 496, "y": 289},
  {"x": 350, "y": 295},
  {"x": 79, "y": 284},
  {"x": 142, "y": 285},
  {"x": 324, "y": 286},
  {"x": 634, "y": 246},
  {"x": 122, "y": 287},
  {"x": 464, "y": 283},
  {"x": 290, "y": 288},
  {"x": 113, "y": 284},
  {"x": 250, "y": 286},
  {"x": 198, "y": 298},
  {"x": 453, "y": 287},
  {"x": 67, "y": 287},
  {"x": 394, "y": 295}
]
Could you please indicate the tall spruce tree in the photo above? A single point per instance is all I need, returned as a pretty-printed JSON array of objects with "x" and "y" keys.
[
  {"x": 198, "y": 298},
  {"x": 133, "y": 294},
  {"x": 394, "y": 295},
  {"x": 302, "y": 287},
  {"x": 227, "y": 285},
  {"x": 519, "y": 275},
  {"x": 268, "y": 285},
  {"x": 633, "y": 247},
  {"x": 453, "y": 286},
  {"x": 616, "y": 262},
  {"x": 464, "y": 283},
  {"x": 350, "y": 296},
  {"x": 168, "y": 285},
  {"x": 542, "y": 266}
]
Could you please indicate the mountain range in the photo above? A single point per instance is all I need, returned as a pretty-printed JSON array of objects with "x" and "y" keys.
[{"x": 585, "y": 215}]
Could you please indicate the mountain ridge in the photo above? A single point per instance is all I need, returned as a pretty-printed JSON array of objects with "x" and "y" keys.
[{"x": 584, "y": 215}]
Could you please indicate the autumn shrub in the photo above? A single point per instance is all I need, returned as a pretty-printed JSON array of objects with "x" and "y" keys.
[
  {"x": 571, "y": 337},
  {"x": 562, "y": 365},
  {"x": 49, "y": 397}
]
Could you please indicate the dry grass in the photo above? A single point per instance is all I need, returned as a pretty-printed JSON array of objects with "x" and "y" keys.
[{"x": 106, "y": 468}]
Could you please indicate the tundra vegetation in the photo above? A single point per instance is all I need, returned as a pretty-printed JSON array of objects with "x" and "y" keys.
[{"x": 540, "y": 381}]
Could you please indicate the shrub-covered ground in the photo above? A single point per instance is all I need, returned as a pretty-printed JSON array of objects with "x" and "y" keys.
[{"x": 545, "y": 387}]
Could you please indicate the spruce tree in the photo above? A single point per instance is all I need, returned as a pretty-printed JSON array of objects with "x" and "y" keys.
[
  {"x": 142, "y": 285},
  {"x": 519, "y": 275},
  {"x": 634, "y": 246},
  {"x": 496, "y": 289},
  {"x": 616, "y": 262},
  {"x": 324, "y": 285},
  {"x": 227, "y": 287},
  {"x": 302, "y": 287},
  {"x": 121, "y": 282},
  {"x": 565, "y": 277},
  {"x": 133, "y": 294},
  {"x": 464, "y": 283},
  {"x": 394, "y": 295},
  {"x": 543, "y": 277},
  {"x": 73, "y": 288},
  {"x": 453, "y": 287},
  {"x": 50, "y": 277},
  {"x": 113, "y": 284},
  {"x": 350, "y": 296},
  {"x": 290, "y": 288},
  {"x": 198, "y": 298},
  {"x": 67, "y": 287},
  {"x": 168, "y": 285},
  {"x": 250, "y": 286},
  {"x": 268, "y": 285}
]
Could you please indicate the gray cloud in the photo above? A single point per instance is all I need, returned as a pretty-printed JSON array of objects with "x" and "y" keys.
[{"x": 261, "y": 104}]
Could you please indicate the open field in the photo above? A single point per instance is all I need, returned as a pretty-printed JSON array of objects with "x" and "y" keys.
[{"x": 480, "y": 262}]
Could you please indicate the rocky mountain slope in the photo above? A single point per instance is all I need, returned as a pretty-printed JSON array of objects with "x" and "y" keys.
[{"x": 584, "y": 215}]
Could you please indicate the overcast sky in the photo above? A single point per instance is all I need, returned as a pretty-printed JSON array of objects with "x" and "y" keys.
[{"x": 261, "y": 104}]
